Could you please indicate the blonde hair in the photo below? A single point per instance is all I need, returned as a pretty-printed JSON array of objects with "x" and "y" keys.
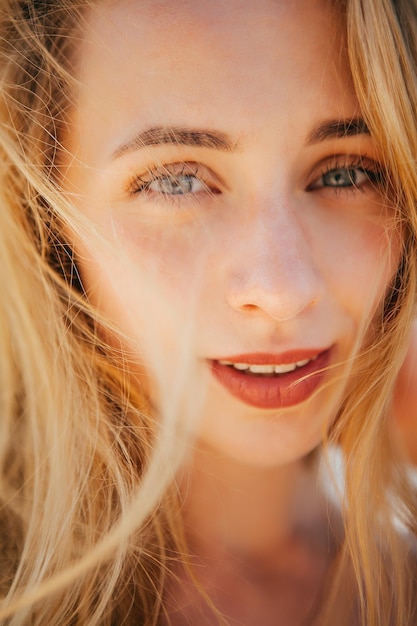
[{"x": 89, "y": 517}]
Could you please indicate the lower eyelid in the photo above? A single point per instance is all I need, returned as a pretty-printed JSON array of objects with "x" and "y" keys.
[
  {"x": 371, "y": 169},
  {"x": 140, "y": 183},
  {"x": 142, "y": 189}
]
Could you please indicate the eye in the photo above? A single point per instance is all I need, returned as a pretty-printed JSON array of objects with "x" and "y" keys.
[
  {"x": 344, "y": 177},
  {"x": 348, "y": 176},
  {"x": 178, "y": 184},
  {"x": 174, "y": 180}
]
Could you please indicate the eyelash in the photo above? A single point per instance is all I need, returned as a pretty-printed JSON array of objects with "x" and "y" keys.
[
  {"x": 173, "y": 172},
  {"x": 141, "y": 184},
  {"x": 371, "y": 169}
]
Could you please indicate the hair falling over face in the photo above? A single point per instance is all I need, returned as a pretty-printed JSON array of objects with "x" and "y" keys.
[{"x": 178, "y": 275}]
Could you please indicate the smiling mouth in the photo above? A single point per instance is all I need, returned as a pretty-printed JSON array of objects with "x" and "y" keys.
[
  {"x": 271, "y": 370},
  {"x": 272, "y": 382}
]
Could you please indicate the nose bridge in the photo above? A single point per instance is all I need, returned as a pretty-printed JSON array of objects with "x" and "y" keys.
[{"x": 275, "y": 270}]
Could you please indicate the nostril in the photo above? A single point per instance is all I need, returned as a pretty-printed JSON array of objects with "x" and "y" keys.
[
  {"x": 288, "y": 300},
  {"x": 272, "y": 269},
  {"x": 249, "y": 308}
]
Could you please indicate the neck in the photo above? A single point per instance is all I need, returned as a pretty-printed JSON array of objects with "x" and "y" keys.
[{"x": 250, "y": 512}]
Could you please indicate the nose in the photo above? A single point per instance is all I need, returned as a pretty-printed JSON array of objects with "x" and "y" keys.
[{"x": 274, "y": 267}]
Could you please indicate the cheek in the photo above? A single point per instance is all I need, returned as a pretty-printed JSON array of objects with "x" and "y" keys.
[
  {"x": 166, "y": 265},
  {"x": 379, "y": 257},
  {"x": 361, "y": 262},
  {"x": 133, "y": 260},
  {"x": 170, "y": 258},
  {"x": 145, "y": 287}
]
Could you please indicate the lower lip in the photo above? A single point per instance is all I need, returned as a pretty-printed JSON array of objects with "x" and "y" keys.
[{"x": 273, "y": 392}]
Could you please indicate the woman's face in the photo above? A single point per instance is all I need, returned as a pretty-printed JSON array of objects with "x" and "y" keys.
[{"x": 240, "y": 235}]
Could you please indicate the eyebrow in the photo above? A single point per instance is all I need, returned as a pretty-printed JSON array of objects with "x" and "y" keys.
[
  {"x": 160, "y": 135},
  {"x": 337, "y": 129},
  {"x": 216, "y": 140}
]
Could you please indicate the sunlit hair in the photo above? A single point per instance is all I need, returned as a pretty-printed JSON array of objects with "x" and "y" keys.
[{"x": 89, "y": 517}]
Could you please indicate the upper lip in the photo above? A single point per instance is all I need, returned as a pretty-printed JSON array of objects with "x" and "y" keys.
[{"x": 270, "y": 358}]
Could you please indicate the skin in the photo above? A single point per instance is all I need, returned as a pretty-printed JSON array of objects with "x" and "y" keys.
[{"x": 265, "y": 253}]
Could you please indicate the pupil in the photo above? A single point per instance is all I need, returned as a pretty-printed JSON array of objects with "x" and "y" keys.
[
  {"x": 339, "y": 178},
  {"x": 177, "y": 185}
]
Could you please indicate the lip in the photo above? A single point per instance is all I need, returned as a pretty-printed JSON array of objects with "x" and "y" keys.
[{"x": 273, "y": 392}]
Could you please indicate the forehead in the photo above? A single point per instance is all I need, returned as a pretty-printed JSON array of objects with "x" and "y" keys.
[
  {"x": 143, "y": 60},
  {"x": 164, "y": 22},
  {"x": 196, "y": 35}
]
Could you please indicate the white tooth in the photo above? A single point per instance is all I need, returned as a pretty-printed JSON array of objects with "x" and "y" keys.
[
  {"x": 302, "y": 363},
  {"x": 240, "y": 366},
  {"x": 261, "y": 369},
  {"x": 283, "y": 369}
]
